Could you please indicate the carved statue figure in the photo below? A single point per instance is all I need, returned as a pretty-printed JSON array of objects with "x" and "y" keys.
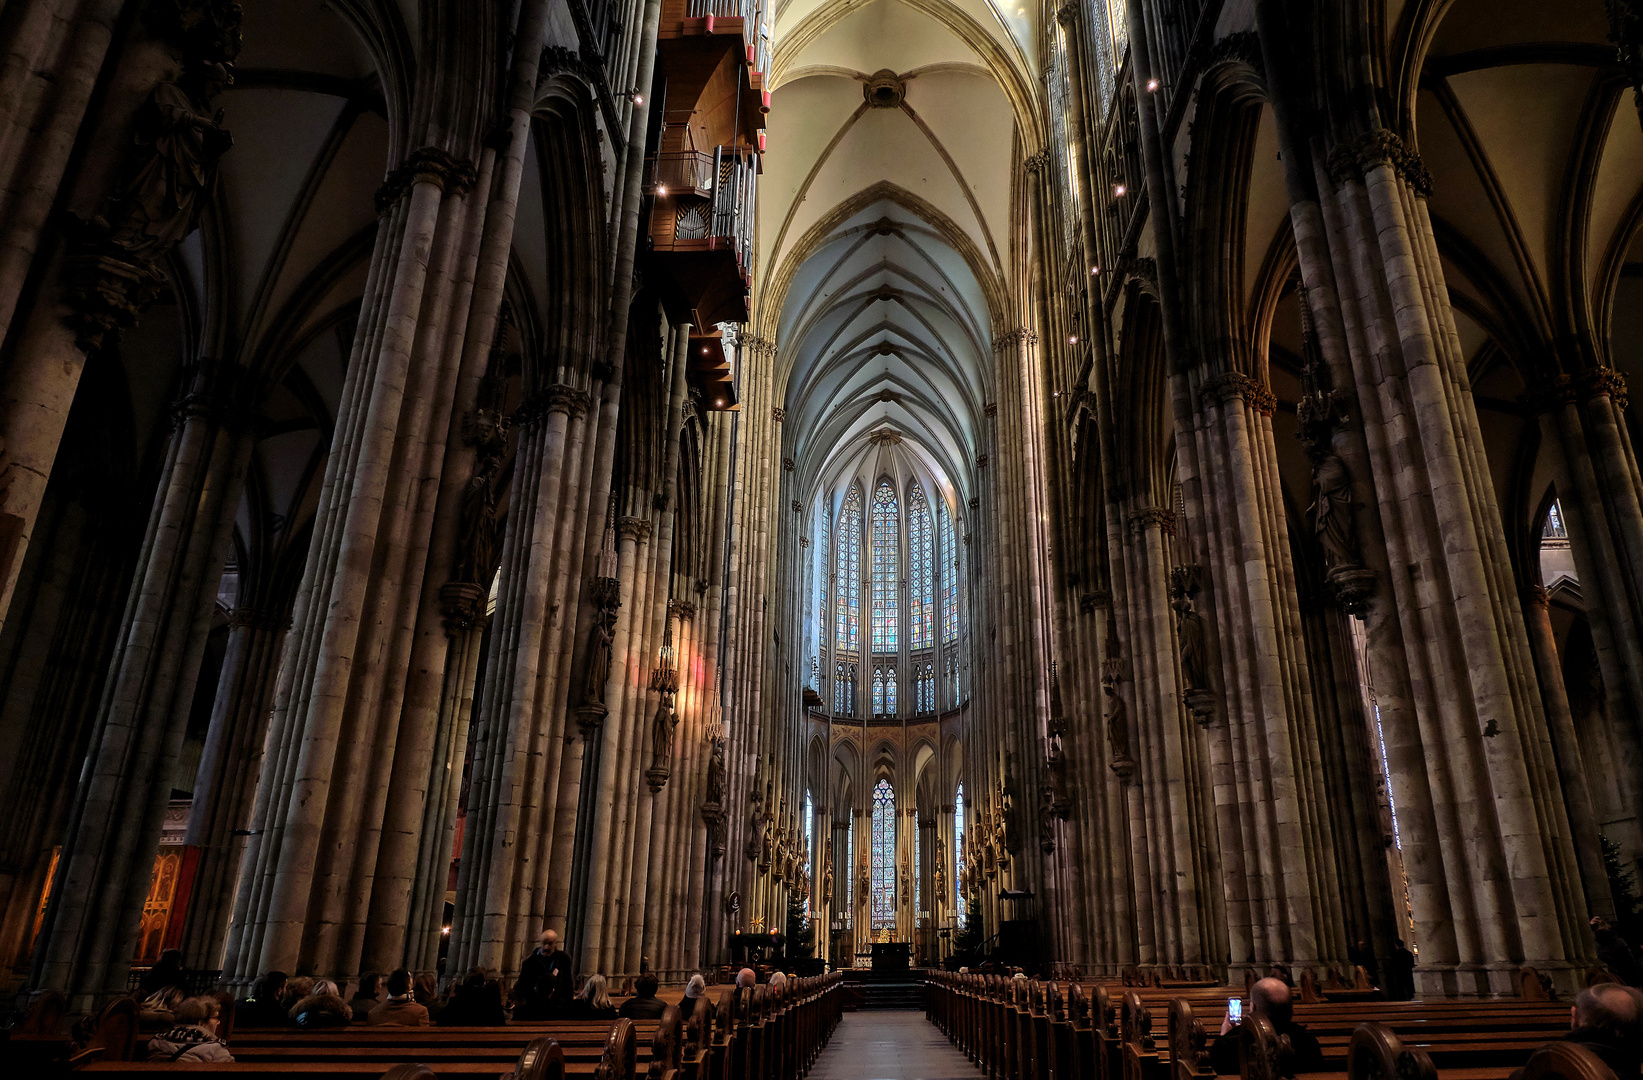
[
  {"x": 1118, "y": 725},
  {"x": 174, "y": 171},
  {"x": 905, "y": 889},
  {"x": 716, "y": 772},
  {"x": 599, "y": 641},
  {"x": 1332, "y": 510},
  {"x": 1194, "y": 647},
  {"x": 661, "y": 733},
  {"x": 755, "y": 826},
  {"x": 476, "y": 527}
]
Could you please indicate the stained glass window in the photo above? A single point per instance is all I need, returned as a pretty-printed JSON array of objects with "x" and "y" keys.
[
  {"x": 809, "y": 837},
  {"x": 949, "y": 579},
  {"x": 844, "y": 688},
  {"x": 921, "y": 600},
  {"x": 886, "y": 569},
  {"x": 925, "y": 691},
  {"x": 848, "y": 571},
  {"x": 884, "y": 856},
  {"x": 958, "y": 847},
  {"x": 878, "y": 691},
  {"x": 890, "y": 691}
]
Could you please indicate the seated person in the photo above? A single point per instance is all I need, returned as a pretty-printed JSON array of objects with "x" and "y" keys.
[
  {"x": 321, "y": 1007},
  {"x": 644, "y": 1004},
  {"x": 194, "y": 1036},
  {"x": 1269, "y": 998},
  {"x": 401, "y": 1009},
  {"x": 1607, "y": 1019},
  {"x": 593, "y": 1003},
  {"x": 263, "y": 1008},
  {"x": 158, "y": 1010},
  {"x": 695, "y": 988},
  {"x": 367, "y": 997},
  {"x": 477, "y": 1002}
]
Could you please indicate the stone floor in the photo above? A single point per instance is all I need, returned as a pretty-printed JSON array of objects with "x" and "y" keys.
[{"x": 891, "y": 1045}]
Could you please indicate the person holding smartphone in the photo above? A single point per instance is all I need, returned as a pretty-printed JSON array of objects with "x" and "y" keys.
[{"x": 1269, "y": 998}]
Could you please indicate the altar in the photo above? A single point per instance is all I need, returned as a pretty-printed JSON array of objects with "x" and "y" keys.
[{"x": 892, "y": 955}]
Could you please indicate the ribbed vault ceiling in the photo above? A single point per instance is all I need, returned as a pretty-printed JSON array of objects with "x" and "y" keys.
[{"x": 885, "y": 226}]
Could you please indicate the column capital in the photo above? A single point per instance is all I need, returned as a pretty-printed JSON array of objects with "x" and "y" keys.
[
  {"x": 634, "y": 528},
  {"x": 1537, "y": 596},
  {"x": 1600, "y": 382},
  {"x": 428, "y": 165},
  {"x": 1228, "y": 385},
  {"x": 1358, "y": 156},
  {"x": 1153, "y": 517}
]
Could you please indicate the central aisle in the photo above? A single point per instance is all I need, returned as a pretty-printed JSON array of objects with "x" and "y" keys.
[{"x": 890, "y": 1045}]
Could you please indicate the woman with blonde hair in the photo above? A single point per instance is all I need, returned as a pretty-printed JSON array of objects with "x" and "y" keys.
[
  {"x": 194, "y": 1038},
  {"x": 593, "y": 1003}
]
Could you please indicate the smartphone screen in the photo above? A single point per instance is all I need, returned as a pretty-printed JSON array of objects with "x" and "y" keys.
[{"x": 1235, "y": 1007}]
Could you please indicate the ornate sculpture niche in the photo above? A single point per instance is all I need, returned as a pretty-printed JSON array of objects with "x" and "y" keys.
[
  {"x": 1192, "y": 635},
  {"x": 713, "y": 806},
  {"x": 486, "y": 430},
  {"x": 1009, "y": 798},
  {"x": 165, "y": 184},
  {"x": 664, "y": 679},
  {"x": 607, "y": 601},
  {"x": 1118, "y": 722},
  {"x": 1321, "y": 412}
]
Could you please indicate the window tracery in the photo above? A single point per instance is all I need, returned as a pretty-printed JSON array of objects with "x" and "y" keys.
[
  {"x": 848, "y": 570},
  {"x": 884, "y": 856},
  {"x": 886, "y": 570},
  {"x": 920, "y": 571}
]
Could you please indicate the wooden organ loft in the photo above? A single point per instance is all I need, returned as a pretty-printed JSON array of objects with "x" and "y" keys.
[{"x": 711, "y": 63}]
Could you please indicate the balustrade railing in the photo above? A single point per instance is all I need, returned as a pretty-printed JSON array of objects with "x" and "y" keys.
[
  {"x": 683, "y": 172},
  {"x": 723, "y": 9}
]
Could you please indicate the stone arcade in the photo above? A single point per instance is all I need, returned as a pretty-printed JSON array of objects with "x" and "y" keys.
[{"x": 1133, "y": 486}]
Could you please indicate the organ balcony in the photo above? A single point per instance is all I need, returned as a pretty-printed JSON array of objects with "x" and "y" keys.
[
  {"x": 716, "y": 54},
  {"x": 701, "y": 230}
]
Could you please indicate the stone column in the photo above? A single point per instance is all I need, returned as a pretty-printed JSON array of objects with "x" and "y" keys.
[
  {"x": 1603, "y": 504},
  {"x": 518, "y": 758},
  {"x": 465, "y": 622},
  {"x": 1571, "y": 768},
  {"x": 1506, "y": 858},
  {"x": 1277, "y": 847},
  {"x": 107, "y": 860},
  {"x": 100, "y": 281},
  {"x": 225, "y": 784}
]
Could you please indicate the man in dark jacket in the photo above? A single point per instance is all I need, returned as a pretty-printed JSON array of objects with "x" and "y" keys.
[
  {"x": 1269, "y": 998},
  {"x": 1607, "y": 1019},
  {"x": 644, "y": 1004},
  {"x": 264, "y": 1008},
  {"x": 544, "y": 990}
]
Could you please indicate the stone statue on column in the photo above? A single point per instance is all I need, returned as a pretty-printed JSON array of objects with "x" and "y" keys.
[
  {"x": 168, "y": 181},
  {"x": 1192, "y": 637},
  {"x": 716, "y": 772}
]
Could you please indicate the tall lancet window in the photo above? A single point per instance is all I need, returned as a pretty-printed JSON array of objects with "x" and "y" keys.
[
  {"x": 884, "y": 856},
  {"x": 809, "y": 843},
  {"x": 886, "y": 570},
  {"x": 848, "y": 571},
  {"x": 949, "y": 579},
  {"x": 921, "y": 579},
  {"x": 958, "y": 851}
]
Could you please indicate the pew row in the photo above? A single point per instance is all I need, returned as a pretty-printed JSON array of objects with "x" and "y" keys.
[
  {"x": 750, "y": 1034},
  {"x": 1017, "y": 1029}
]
